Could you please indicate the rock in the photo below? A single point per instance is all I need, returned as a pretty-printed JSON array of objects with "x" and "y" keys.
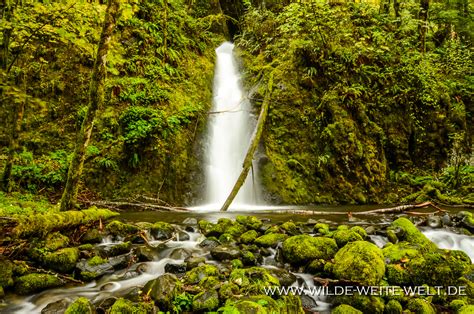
[
  {"x": 434, "y": 222},
  {"x": 343, "y": 237},
  {"x": 467, "y": 220},
  {"x": 36, "y": 282},
  {"x": 370, "y": 230},
  {"x": 361, "y": 262},
  {"x": 251, "y": 222},
  {"x": 345, "y": 309},
  {"x": 226, "y": 238},
  {"x": 206, "y": 301},
  {"x": 290, "y": 228},
  {"x": 118, "y": 228},
  {"x": 421, "y": 306},
  {"x": 228, "y": 290},
  {"x": 180, "y": 253},
  {"x": 253, "y": 279},
  {"x": 192, "y": 262},
  {"x": 175, "y": 268},
  {"x": 134, "y": 294},
  {"x": 393, "y": 307},
  {"x": 55, "y": 241},
  {"x": 92, "y": 236},
  {"x": 146, "y": 253},
  {"x": 106, "y": 304},
  {"x": 446, "y": 220},
  {"x": 311, "y": 222},
  {"x": 163, "y": 290},
  {"x": 302, "y": 249},
  {"x": 225, "y": 252},
  {"x": 209, "y": 244},
  {"x": 197, "y": 274},
  {"x": 6, "y": 273},
  {"x": 114, "y": 250},
  {"x": 56, "y": 307},
  {"x": 308, "y": 303},
  {"x": 190, "y": 221},
  {"x": 270, "y": 239},
  {"x": 467, "y": 309},
  {"x": 94, "y": 267},
  {"x": 63, "y": 260},
  {"x": 162, "y": 230},
  {"x": 126, "y": 306},
  {"x": 322, "y": 228},
  {"x": 284, "y": 277},
  {"x": 363, "y": 303},
  {"x": 248, "y": 237},
  {"x": 411, "y": 234},
  {"x": 250, "y": 259},
  {"x": 183, "y": 236},
  {"x": 80, "y": 306}
]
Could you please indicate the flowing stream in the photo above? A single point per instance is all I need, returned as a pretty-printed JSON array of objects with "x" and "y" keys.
[{"x": 229, "y": 133}]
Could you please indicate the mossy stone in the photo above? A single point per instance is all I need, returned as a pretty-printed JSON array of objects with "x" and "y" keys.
[
  {"x": 96, "y": 260},
  {"x": 35, "y": 282},
  {"x": 228, "y": 290},
  {"x": 413, "y": 235},
  {"x": 206, "y": 301},
  {"x": 467, "y": 309},
  {"x": 162, "y": 230},
  {"x": 401, "y": 251},
  {"x": 290, "y": 228},
  {"x": 250, "y": 222},
  {"x": 6, "y": 273},
  {"x": 55, "y": 241},
  {"x": 345, "y": 309},
  {"x": 163, "y": 289},
  {"x": 122, "y": 306},
  {"x": 361, "y": 262},
  {"x": 80, "y": 306},
  {"x": 322, "y": 228},
  {"x": 92, "y": 236},
  {"x": 393, "y": 307},
  {"x": 270, "y": 239},
  {"x": 420, "y": 306},
  {"x": 302, "y": 249},
  {"x": 456, "y": 305},
  {"x": 226, "y": 238},
  {"x": 361, "y": 231},
  {"x": 343, "y": 237},
  {"x": 198, "y": 273},
  {"x": 118, "y": 228},
  {"x": 364, "y": 303},
  {"x": 63, "y": 260},
  {"x": 248, "y": 237},
  {"x": 253, "y": 279}
]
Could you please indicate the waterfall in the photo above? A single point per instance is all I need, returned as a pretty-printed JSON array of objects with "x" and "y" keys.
[{"x": 229, "y": 133}]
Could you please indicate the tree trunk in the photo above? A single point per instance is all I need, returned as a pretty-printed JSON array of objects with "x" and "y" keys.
[
  {"x": 423, "y": 16},
  {"x": 252, "y": 148},
  {"x": 96, "y": 99}
]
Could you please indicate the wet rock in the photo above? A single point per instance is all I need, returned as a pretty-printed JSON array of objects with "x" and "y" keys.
[
  {"x": 446, "y": 220},
  {"x": 92, "y": 236},
  {"x": 96, "y": 267},
  {"x": 162, "y": 231},
  {"x": 206, "y": 301},
  {"x": 370, "y": 230},
  {"x": 311, "y": 222},
  {"x": 225, "y": 252},
  {"x": 290, "y": 228},
  {"x": 146, "y": 253},
  {"x": 118, "y": 228},
  {"x": 270, "y": 239},
  {"x": 251, "y": 222},
  {"x": 408, "y": 232},
  {"x": 434, "y": 222},
  {"x": 114, "y": 250},
  {"x": 6, "y": 273},
  {"x": 189, "y": 229},
  {"x": 104, "y": 305},
  {"x": 181, "y": 253},
  {"x": 253, "y": 278},
  {"x": 302, "y": 249},
  {"x": 56, "y": 307},
  {"x": 250, "y": 259},
  {"x": 126, "y": 306},
  {"x": 183, "y": 236},
  {"x": 284, "y": 277},
  {"x": 163, "y": 290},
  {"x": 228, "y": 290},
  {"x": 421, "y": 306},
  {"x": 209, "y": 243},
  {"x": 35, "y": 282},
  {"x": 192, "y": 262},
  {"x": 361, "y": 262},
  {"x": 248, "y": 237},
  {"x": 308, "y": 302},
  {"x": 345, "y": 309},
  {"x": 190, "y": 221},
  {"x": 175, "y": 268},
  {"x": 197, "y": 274},
  {"x": 134, "y": 294},
  {"x": 62, "y": 260},
  {"x": 343, "y": 237},
  {"x": 81, "y": 305},
  {"x": 467, "y": 220}
]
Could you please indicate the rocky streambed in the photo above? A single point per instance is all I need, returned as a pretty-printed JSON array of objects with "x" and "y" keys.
[{"x": 237, "y": 265}]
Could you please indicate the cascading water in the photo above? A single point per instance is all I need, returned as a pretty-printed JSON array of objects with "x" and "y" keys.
[{"x": 230, "y": 128}]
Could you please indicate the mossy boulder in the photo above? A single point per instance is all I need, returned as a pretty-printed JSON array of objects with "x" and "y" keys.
[
  {"x": 248, "y": 237},
  {"x": 92, "y": 236},
  {"x": 6, "y": 273},
  {"x": 289, "y": 227},
  {"x": 393, "y": 307},
  {"x": 345, "y": 309},
  {"x": 225, "y": 252},
  {"x": 302, "y": 249},
  {"x": 361, "y": 262},
  {"x": 36, "y": 282},
  {"x": 456, "y": 305},
  {"x": 80, "y": 306},
  {"x": 321, "y": 228},
  {"x": 361, "y": 231},
  {"x": 343, "y": 237},
  {"x": 63, "y": 260},
  {"x": 467, "y": 309},
  {"x": 228, "y": 290},
  {"x": 401, "y": 251},
  {"x": 408, "y": 232},
  {"x": 364, "y": 303},
  {"x": 55, "y": 241},
  {"x": 122, "y": 306},
  {"x": 251, "y": 222},
  {"x": 252, "y": 280},
  {"x": 421, "y": 306},
  {"x": 118, "y": 228},
  {"x": 270, "y": 239},
  {"x": 162, "y": 230},
  {"x": 206, "y": 301},
  {"x": 163, "y": 289},
  {"x": 198, "y": 273},
  {"x": 116, "y": 249},
  {"x": 96, "y": 260}
]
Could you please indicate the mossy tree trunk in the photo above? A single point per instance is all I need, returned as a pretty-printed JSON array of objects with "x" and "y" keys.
[
  {"x": 423, "y": 16},
  {"x": 96, "y": 99},
  {"x": 252, "y": 148}
]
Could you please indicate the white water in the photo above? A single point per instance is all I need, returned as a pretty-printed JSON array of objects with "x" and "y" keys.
[{"x": 230, "y": 129}]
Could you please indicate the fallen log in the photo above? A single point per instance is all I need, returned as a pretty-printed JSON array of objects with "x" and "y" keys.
[{"x": 140, "y": 205}]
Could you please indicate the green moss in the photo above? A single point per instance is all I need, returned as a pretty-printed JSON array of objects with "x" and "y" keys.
[
  {"x": 243, "y": 307},
  {"x": 88, "y": 276},
  {"x": 55, "y": 241},
  {"x": 302, "y": 249},
  {"x": 361, "y": 231},
  {"x": 400, "y": 251},
  {"x": 122, "y": 306},
  {"x": 413, "y": 235},
  {"x": 270, "y": 239},
  {"x": 118, "y": 249},
  {"x": 250, "y": 222},
  {"x": 228, "y": 290},
  {"x": 226, "y": 238},
  {"x": 343, "y": 237},
  {"x": 96, "y": 260},
  {"x": 248, "y": 258},
  {"x": 364, "y": 303},
  {"x": 20, "y": 268},
  {"x": 290, "y": 228},
  {"x": 80, "y": 306},
  {"x": 198, "y": 273},
  {"x": 420, "y": 306},
  {"x": 35, "y": 282},
  {"x": 252, "y": 280},
  {"x": 162, "y": 230},
  {"x": 456, "y": 305},
  {"x": 118, "y": 228},
  {"x": 63, "y": 260},
  {"x": 322, "y": 228},
  {"x": 236, "y": 263},
  {"x": 6, "y": 273},
  {"x": 467, "y": 309},
  {"x": 248, "y": 237},
  {"x": 206, "y": 301},
  {"x": 393, "y": 307},
  {"x": 361, "y": 262},
  {"x": 345, "y": 309},
  {"x": 86, "y": 247}
]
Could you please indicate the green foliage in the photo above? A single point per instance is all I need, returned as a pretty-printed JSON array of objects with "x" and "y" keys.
[{"x": 182, "y": 302}]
